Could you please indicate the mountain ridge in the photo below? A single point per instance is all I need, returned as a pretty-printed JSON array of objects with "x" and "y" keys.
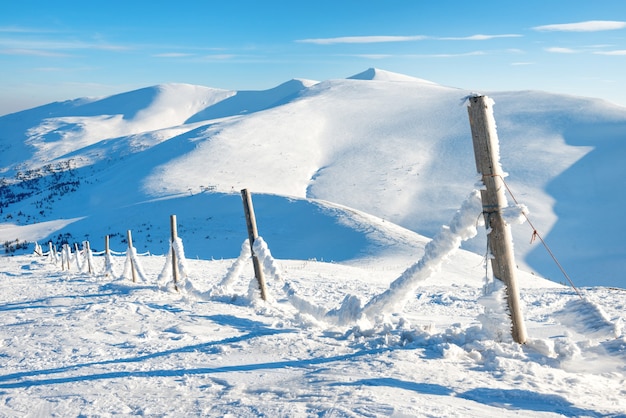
[{"x": 400, "y": 151}]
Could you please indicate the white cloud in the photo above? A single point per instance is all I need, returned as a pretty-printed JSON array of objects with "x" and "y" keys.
[
  {"x": 558, "y": 50},
  {"x": 464, "y": 54},
  {"x": 219, "y": 57},
  {"x": 616, "y": 52},
  {"x": 479, "y": 37},
  {"x": 32, "y": 52},
  {"x": 21, "y": 30},
  {"x": 373, "y": 56},
  {"x": 172, "y": 55},
  {"x": 588, "y": 26},
  {"x": 55, "y": 45},
  {"x": 380, "y": 39},
  {"x": 362, "y": 39},
  {"x": 443, "y": 55}
]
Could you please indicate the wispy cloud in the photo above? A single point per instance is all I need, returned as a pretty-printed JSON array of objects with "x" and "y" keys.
[
  {"x": 478, "y": 37},
  {"x": 219, "y": 57},
  {"x": 559, "y": 50},
  {"x": 616, "y": 52},
  {"x": 23, "y": 30},
  {"x": 362, "y": 39},
  {"x": 382, "y": 56},
  {"x": 593, "y": 49},
  {"x": 173, "y": 55},
  {"x": 412, "y": 38},
  {"x": 588, "y": 26},
  {"x": 33, "y": 53},
  {"x": 62, "y": 69},
  {"x": 464, "y": 54},
  {"x": 373, "y": 56},
  {"x": 18, "y": 45}
]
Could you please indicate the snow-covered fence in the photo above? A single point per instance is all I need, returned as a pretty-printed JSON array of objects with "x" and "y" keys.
[
  {"x": 38, "y": 250},
  {"x": 83, "y": 259},
  {"x": 175, "y": 269},
  {"x": 499, "y": 240},
  {"x": 252, "y": 236},
  {"x": 132, "y": 266},
  {"x": 173, "y": 241},
  {"x": 66, "y": 255},
  {"x": 108, "y": 263},
  {"x": 87, "y": 258}
]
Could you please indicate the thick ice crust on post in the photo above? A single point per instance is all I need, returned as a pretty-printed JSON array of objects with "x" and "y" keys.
[{"x": 500, "y": 242}]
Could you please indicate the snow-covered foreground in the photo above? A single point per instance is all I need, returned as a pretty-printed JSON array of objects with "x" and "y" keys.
[{"x": 80, "y": 344}]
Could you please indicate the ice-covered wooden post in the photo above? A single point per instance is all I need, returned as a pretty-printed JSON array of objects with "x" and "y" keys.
[
  {"x": 66, "y": 255},
  {"x": 107, "y": 256},
  {"x": 129, "y": 237},
  {"x": 174, "y": 259},
  {"x": 52, "y": 252},
  {"x": 87, "y": 250},
  {"x": 499, "y": 240},
  {"x": 252, "y": 236}
]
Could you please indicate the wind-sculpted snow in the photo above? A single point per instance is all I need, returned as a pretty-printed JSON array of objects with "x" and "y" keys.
[
  {"x": 462, "y": 227},
  {"x": 246, "y": 102},
  {"x": 65, "y": 129}
]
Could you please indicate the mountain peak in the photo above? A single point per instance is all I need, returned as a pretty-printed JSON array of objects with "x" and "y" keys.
[{"x": 383, "y": 75}]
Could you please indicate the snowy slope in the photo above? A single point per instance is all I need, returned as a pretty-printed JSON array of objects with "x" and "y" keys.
[
  {"x": 371, "y": 311},
  {"x": 79, "y": 344},
  {"x": 384, "y": 144}
]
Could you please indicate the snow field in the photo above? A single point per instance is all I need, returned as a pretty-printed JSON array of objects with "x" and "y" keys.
[
  {"x": 399, "y": 326},
  {"x": 104, "y": 345}
]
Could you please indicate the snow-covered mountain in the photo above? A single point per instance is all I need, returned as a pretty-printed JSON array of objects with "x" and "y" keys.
[
  {"x": 392, "y": 148},
  {"x": 362, "y": 190}
]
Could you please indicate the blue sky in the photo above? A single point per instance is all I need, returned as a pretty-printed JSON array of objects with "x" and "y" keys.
[{"x": 60, "y": 50}]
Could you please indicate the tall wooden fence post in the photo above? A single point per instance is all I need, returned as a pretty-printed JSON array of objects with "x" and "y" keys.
[
  {"x": 108, "y": 266},
  {"x": 67, "y": 251},
  {"x": 486, "y": 152},
  {"x": 129, "y": 237},
  {"x": 77, "y": 256},
  {"x": 174, "y": 259},
  {"x": 252, "y": 236},
  {"x": 87, "y": 250}
]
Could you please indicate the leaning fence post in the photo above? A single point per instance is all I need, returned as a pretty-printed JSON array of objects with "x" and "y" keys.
[
  {"x": 174, "y": 259},
  {"x": 499, "y": 240},
  {"x": 129, "y": 237},
  {"x": 252, "y": 236}
]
